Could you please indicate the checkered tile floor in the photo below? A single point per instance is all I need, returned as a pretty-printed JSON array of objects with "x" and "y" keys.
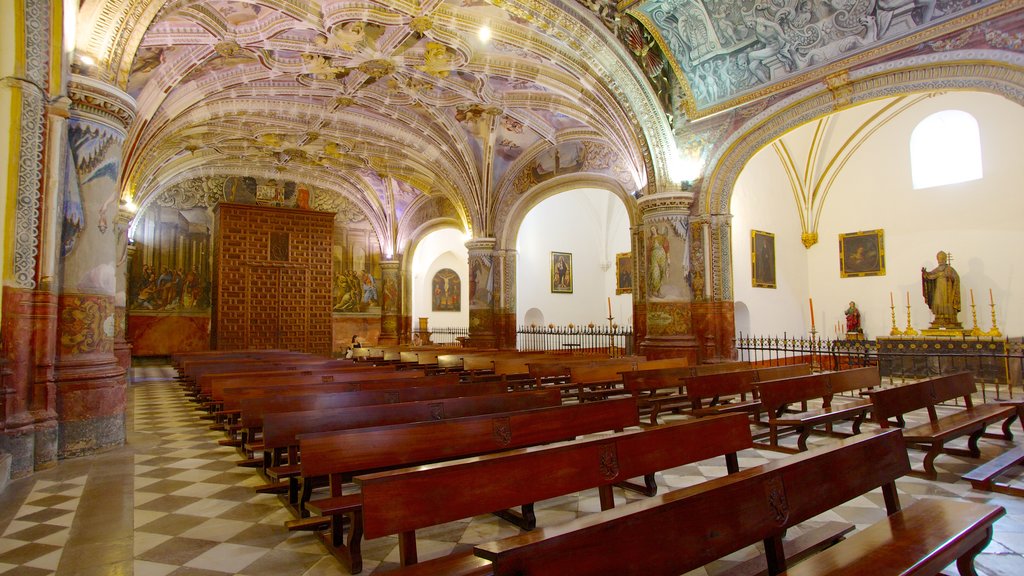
[{"x": 173, "y": 502}]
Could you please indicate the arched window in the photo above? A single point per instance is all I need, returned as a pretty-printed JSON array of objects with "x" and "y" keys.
[{"x": 945, "y": 148}]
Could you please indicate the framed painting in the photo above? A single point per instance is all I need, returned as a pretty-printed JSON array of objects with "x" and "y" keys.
[
  {"x": 561, "y": 272},
  {"x": 624, "y": 273},
  {"x": 762, "y": 259},
  {"x": 862, "y": 254},
  {"x": 446, "y": 293}
]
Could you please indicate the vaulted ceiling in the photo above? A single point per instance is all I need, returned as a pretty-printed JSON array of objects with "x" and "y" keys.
[{"x": 395, "y": 104}]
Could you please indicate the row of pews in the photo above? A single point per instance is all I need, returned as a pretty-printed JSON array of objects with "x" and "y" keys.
[{"x": 397, "y": 440}]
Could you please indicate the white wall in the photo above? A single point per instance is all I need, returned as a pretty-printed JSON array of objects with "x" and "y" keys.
[
  {"x": 979, "y": 222},
  {"x": 593, "y": 226},
  {"x": 445, "y": 248}
]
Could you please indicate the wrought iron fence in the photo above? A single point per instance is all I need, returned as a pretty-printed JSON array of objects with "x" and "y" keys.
[
  {"x": 444, "y": 337},
  {"x": 997, "y": 363},
  {"x": 590, "y": 339}
]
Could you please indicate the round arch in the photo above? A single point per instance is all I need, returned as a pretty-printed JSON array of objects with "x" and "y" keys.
[{"x": 1000, "y": 73}]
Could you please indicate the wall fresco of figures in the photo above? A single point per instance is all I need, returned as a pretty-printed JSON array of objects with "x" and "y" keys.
[
  {"x": 170, "y": 270},
  {"x": 729, "y": 47}
]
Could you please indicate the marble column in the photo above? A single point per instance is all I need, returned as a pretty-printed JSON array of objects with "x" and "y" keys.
[
  {"x": 666, "y": 272},
  {"x": 505, "y": 305},
  {"x": 90, "y": 382},
  {"x": 482, "y": 292},
  {"x": 122, "y": 348},
  {"x": 391, "y": 305},
  {"x": 27, "y": 403}
]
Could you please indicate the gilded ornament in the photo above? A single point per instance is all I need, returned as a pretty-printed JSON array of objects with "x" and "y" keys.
[
  {"x": 377, "y": 69},
  {"x": 437, "y": 60},
  {"x": 421, "y": 24}
]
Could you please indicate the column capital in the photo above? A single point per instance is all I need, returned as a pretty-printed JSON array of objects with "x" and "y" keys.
[
  {"x": 481, "y": 244},
  {"x": 673, "y": 203},
  {"x": 101, "y": 102},
  {"x": 394, "y": 264}
]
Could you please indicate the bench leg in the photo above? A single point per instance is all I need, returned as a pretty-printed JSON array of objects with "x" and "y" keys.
[
  {"x": 801, "y": 442},
  {"x": 929, "y": 460},
  {"x": 972, "y": 442},
  {"x": 858, "y": 421},
  {"x": 965, "y": 563},
  {"x": 525, "y": 520},
  {"x": 606, "y": 496},
  {"x": 407, "y": 548},
  {"x": 1009, "y": 421}
]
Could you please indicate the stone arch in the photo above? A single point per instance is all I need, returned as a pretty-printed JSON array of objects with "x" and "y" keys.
[
  {"x": 990, "y": 71},
  {"x": 513, "y": 218}
]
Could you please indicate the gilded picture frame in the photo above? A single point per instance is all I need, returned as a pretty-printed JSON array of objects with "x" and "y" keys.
[
  {"x": 561, "y": 273},
  {"x": 762, "y": 259},
  {"x": 862, "y": 254},
  {"x": 624, "y": 273}
]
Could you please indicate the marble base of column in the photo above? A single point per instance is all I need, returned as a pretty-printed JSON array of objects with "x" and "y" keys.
[
  {"x": 714, "y": 323},
  {"x": 91, "y": 401},
  {"x": 654, "y": 348},
  {"x": 123, "y": 353},
  {"x": 45, "y": 442},
  {"x": 505, "y": 330}
]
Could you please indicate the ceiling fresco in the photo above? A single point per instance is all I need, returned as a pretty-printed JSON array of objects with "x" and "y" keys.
[
  {"x": 728, "y": 49},
  {"x": 379, "y": 101}
]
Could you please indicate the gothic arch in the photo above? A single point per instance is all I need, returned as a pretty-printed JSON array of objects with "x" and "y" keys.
[{"x": 990, "y": 71}]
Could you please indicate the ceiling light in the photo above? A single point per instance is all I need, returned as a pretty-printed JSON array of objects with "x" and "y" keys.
[{"x": 485, "y": 33}]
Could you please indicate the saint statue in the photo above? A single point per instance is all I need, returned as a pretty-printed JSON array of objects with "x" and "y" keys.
[
  {"x": 941, "y": 287},
  {"x": 853, "y": 318}
]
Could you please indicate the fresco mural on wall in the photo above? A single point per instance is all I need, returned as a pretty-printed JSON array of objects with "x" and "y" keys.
[
  {"x": 571, "y": 158},
  {"x": 357, "y": 256},
  {"x": 169, "y": 273},
  {"x": 728, "y": 47},
  {"x": 446, "y": 291}
]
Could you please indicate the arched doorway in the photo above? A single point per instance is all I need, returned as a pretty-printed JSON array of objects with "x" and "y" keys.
[{"x": 440, "y": 284}]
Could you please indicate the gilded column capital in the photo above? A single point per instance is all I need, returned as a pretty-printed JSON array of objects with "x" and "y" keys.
[
  {"x": 481, "y": 244},
  {"x": 668, "y": 203},
  {"x": 101, "y": 102}
]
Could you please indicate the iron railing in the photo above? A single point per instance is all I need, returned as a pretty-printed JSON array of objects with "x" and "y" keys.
[
  {"x": 583, "y": 340},
  {"x": 995, "y": 362},
  {"x": 444, "y": 337}
]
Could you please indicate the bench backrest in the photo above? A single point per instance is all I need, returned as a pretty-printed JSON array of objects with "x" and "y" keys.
[
  {"x": 650, "y": 379},
  {"x": 785, "y": 371},
  {"x": 215, "y": 384},
  {"x": 603, "y": 372},
  {"x": 407, "y": 444},
  {"x": 891, "y": 402},
  {"x": 412, "y": 498},
  {"x": 846, "y": 381},
  {"x": 280, "y": 429},
  {"x": 775, "y": 394},
  {"x": 718, "y": 368},
  {"x": 253, "y": 408},
  {"x": 709, "y": 386},
  {"x": 689, "y": 528},
  {"x": 232, "y": 397}
]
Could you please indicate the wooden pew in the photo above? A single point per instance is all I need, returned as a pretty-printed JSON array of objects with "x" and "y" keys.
[
  {"x": 777, "y": 395},
  {"x": 660, "y": 384},
  {"x": 402, "y": 501},
  {"x": 689, "y": 528},
  {"x": 970, "y": 421},
  {"x": 340, "y": 455},
  {"x": 209, "y": 382},
  {"x": 282, "y": 429},
  {"x": 734, "y": 391}
]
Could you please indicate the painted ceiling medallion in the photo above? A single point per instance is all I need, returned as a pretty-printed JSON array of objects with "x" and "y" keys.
[
  {"x": 421, "y": 24},
  {"x": 378, "y": 68}
]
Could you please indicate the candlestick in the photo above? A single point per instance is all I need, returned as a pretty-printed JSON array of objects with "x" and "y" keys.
[
  {"x": 909, "y": 330},
  {"x": 811, "y": 302},
  {"x": 609, "y": 305},
  {"x": 974, "y": 317},
  {"x": 994, "y": 332},
  {"x": 892, "y": 309}
]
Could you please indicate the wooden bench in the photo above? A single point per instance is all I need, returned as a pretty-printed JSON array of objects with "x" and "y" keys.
[
  {"x": 208, "y": 383},
  {"x": 402, "y": 501},
  {"x": 777, "y": 395},
  {"x": 734, "y": 391},
  {"x": 689, "y": 528},
  {"x": 282, "y": 429},
  {"x": 341, "y": 455},
  {"x": 970, "y": 421}
]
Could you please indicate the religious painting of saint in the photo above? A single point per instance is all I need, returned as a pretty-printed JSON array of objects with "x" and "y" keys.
[
  {"x": 624, "y": 273},
  {"x": 446, "y": 291},
  {"x": 561, "y": 273},
  {"x": 861, "y": 254},
  {"x": 762, "y": 259}
]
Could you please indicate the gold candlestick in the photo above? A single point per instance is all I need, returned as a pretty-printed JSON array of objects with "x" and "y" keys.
[
  {"x": 994, "y": 332},
  {"x": 909, "y": 331},
  {"x": 895, "y": 331},
  {"x": 974, "y": 318}
]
